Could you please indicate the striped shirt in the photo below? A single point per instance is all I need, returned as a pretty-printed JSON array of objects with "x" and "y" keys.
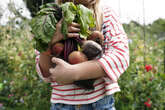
[{"x": 114, "y": 62}]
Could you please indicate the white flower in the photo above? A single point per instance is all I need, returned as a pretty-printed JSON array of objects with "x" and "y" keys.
[
  {"x": 4, "y": 81},
  {"x": 130, "y": 41}
]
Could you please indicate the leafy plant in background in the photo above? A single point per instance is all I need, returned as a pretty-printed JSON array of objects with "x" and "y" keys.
[
  {"x": 20, "y": 87},
  {"x": 142, "y": 86}
]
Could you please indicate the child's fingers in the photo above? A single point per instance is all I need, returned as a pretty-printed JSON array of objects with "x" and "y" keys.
[
  {"x": 70, "y": 35},
  {"x": 75, "y": 25},
  {"x": 72, "y": 29},
  {"x": 60, "y": 21}
]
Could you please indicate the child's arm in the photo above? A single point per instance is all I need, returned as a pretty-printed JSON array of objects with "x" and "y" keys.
[
  {"x": 116, "y": 58},
  {"x": 66, "y": 73},
  {"x": 38, "y": 69}
]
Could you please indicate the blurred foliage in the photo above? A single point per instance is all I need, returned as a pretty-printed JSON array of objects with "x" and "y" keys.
[
  {"x": 158, "y": 26},
  {"x": 138, "y": 85},
  {"x": 20, "y": 86},
  {"x": 1, "y": 11}
]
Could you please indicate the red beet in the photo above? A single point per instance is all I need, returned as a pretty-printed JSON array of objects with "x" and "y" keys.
[
  {"x": 91, "y": 49},
  {"x": 97, "y": 37},
  {"x": 57, "y": 49},
  {"x": 77, "y": 57}
]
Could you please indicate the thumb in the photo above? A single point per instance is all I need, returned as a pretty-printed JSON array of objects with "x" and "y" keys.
[
  {"x": 60, "y": 22},
  {"x": 57, "y": 61}
]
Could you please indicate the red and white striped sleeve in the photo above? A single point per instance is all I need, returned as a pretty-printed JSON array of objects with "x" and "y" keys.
[
  {"x": 38, "y": 67},
  {"x": 115, "y": 60}
]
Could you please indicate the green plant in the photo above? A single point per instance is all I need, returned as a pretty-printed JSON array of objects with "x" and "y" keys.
[
  {"x": 20, "y": 86},
  {"x": 142, "y": 85}
]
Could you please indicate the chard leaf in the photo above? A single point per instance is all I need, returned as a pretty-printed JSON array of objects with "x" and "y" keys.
[
  {"x": 43, "y": 28},
  {"x": 49, "y": 5},
  {"x": 69, "y": 12},
  {"x": 85, "y": 19},
  {"x": 44, "y": 25}
]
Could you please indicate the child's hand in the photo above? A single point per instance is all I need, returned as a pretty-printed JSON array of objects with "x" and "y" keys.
[
  {"x": 73, "y": 30},
  {"x": 57, "y": 35},
  {"x": 63, "y": 73}
]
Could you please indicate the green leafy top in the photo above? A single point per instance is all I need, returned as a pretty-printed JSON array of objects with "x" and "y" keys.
[
  {"x": 85, "y": 19},
  {"x": 44, "y": 24}
]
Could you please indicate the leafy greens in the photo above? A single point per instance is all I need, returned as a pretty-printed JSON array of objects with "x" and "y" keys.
[{"x": 44, "y": 24}]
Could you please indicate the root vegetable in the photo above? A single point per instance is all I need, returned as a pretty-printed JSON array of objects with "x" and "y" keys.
[
  {"x": 97, "y": 37},
  {"x": 77, "y": 57},
  {"x": 87, "y": 84},
  {"x": 91, "y": 49},
  {"x": 57, "y": 49},
  {"x": 48, "y": 52}
]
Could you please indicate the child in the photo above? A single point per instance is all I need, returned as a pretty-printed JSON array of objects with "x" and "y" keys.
[{"x": 106, "y": 70}]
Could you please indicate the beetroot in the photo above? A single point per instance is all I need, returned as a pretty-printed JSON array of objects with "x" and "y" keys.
[
  {"x": 97, "y": 37},
  {"x": 91, "y": 49},
  {"x": 77, "y": 57},
  {"x": 57, "y": 49}
]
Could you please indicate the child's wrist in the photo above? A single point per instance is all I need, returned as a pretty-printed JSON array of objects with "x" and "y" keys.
[{"x": 76, "y": 72}]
